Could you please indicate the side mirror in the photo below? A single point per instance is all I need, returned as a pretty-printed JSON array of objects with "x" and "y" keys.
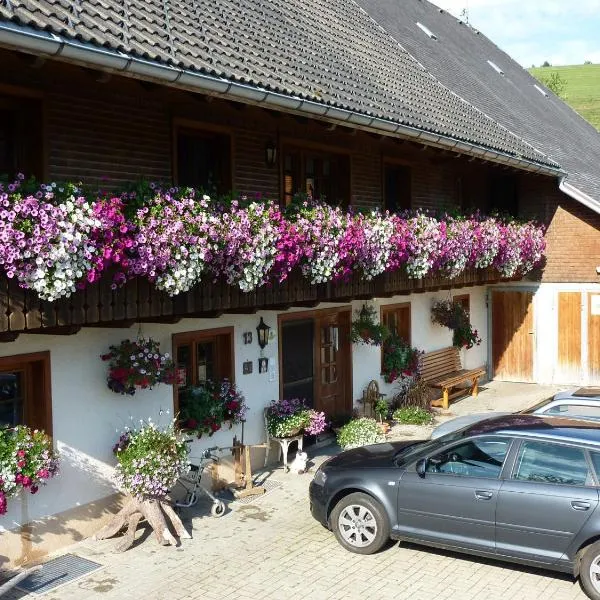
[{"x": 421, "y": 467}]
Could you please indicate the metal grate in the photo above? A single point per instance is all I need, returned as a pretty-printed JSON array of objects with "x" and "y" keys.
[{"x": 56, "y": 572}]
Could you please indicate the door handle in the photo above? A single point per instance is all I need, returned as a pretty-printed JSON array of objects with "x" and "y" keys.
[
  {"x": 580, "y": 505},
  {"x": 483, "y": 495}
]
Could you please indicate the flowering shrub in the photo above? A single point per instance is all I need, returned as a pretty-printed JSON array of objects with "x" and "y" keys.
[
  {"x": 400, "y": 360},
  {"x": 290, "y": 417},
  {"x": 452, "y": 315},
  {"x": 54, "y": 240},
  {"x": 359, "y": 432},
  {"x": 137, "y": 363},
  {"x": 27, "y": 460},
  {"x": 150, "y": 460},
  {"x": 205, "y": 407}
]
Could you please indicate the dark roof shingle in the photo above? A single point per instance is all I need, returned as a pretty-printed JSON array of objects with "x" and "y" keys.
[{"x": 328, "y": 51}]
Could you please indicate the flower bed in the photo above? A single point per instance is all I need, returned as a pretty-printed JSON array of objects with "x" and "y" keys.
[
  {"x": 27, "y": 460},
  {"x": 56, "y": 239}
]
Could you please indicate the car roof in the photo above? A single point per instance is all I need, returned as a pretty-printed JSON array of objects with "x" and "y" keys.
[
  {"x": 544, "y": 427},
  {"x": 583, "y": 393}
]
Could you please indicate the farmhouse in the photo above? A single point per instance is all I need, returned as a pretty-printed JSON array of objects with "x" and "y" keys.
[{"x": 356, "y": 106}]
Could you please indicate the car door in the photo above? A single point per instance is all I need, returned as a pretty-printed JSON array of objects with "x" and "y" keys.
[
  {"x": 454, "y": 503},
  {"x": 545, "y": 502}
]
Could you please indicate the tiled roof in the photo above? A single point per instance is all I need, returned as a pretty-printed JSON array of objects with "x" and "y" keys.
[
  {"x": 458, "y": 58},
  {"x": 328, "y": 51}
]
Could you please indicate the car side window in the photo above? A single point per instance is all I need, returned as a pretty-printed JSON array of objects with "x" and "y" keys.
[
  {"x": 480, "y": 457},
  {"x": 545, "y": 462}
]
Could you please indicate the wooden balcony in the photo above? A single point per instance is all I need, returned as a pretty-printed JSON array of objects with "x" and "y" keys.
[{"x": 21, "y": 311}]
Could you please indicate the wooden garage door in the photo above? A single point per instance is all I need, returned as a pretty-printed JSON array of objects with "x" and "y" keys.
[
  {"x": 512, "y": 336},
  {"x": 569, "y": 337},
  {"x": 594, "y": 338}
]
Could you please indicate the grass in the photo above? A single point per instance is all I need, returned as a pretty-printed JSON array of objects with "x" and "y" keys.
[{"x": 582, "y": 89}]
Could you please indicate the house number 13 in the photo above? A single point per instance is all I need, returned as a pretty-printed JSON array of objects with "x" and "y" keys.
[{"x": 248, "y": 337}]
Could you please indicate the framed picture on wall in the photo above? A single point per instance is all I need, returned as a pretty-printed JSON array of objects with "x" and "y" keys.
[{"x": 263, "y": 365}]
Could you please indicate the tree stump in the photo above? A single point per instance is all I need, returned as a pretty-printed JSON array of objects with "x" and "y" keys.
[{"x": 158, "y": 513}]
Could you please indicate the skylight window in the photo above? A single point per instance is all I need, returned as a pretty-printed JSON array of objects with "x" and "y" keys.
[
  {"x": 495, "y": 67},
  {"x": 540, "y": 90},
  {"x": 427, "y": 31}
]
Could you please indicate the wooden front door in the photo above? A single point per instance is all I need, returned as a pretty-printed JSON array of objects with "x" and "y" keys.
[
  {"x": 315, "y": 360},
  {"x": 512, "y": 336},
  {"x": 569, "y": 337},
  {"x": 594, "y": 338}
]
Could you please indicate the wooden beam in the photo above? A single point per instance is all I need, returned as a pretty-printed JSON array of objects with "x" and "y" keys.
[
  {"x": 171, "y": 320},
  {"x": 121, "y": 324},
  {"x": 59, "y": 330}
]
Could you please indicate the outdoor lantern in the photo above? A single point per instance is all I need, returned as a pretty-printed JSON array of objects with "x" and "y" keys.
[
  {"x": 262, "y": 329},
  {"x": 271, "y": 154}
]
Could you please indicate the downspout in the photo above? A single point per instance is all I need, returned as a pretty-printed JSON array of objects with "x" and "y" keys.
[{"x": 50, "y": 44}]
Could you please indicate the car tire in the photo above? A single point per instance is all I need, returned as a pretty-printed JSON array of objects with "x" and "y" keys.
[
  {"x": 360, "y": 524},
  {"x": 589, "y": 571}
]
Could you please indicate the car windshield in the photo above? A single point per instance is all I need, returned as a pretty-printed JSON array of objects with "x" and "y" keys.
[
  {"x": 536, "y": 407},
  {"x": 417, "y": 449}
]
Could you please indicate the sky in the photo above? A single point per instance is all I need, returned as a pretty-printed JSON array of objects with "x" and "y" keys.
[{"x": 562, "y": 32}]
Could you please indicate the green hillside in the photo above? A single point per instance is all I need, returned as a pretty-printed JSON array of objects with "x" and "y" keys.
[{"x": 582, "y": 88}]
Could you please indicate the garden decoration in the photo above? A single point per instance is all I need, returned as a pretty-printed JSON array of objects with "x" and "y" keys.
[
  {"x": 206, "y": 407},
  {"x": 360, "y": 432},
  {"x": 27, "y": 461},
  {"x": 57, "y": 238},
  {"x": 286, "y": 418},
  {"x": 137, "y": 364},
  {"x": 400, "y": 360},
  {"x": 453, "y": 316},
  {"x": 367, "y": 329},
  {"x": 150, "y": 460}
]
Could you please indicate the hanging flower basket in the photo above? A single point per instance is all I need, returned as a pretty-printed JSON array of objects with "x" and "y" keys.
[
  {"x": 27, "y": 460},
  {"x": 207, "y": 407},
  {"x": 453, "y": 316},
  {"x": 400, "y": 360},
  {"x": 366, "y": 329},
  {"x": 137, "y": 364}
]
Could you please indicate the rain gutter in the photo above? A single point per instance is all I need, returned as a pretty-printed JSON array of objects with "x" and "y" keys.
[{"x": 45, "y": 43}]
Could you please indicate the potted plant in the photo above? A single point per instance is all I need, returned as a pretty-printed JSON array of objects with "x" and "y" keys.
[
  {"x": 453, "y": 316},
  {"x": 289, "y": 417},
  {"x": 366, "y": 329},
  {"x": 137, "y": 364},
  {"x": 400, "y": 360},
  {"x": 359, "y": 432},
  {"x": 27, "y": 460},
  {"x": 206, "y": 407}
]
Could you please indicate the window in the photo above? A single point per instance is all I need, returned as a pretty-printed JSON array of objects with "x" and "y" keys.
[
  {"x": 320, "y": 175},
  {"x": 476, "y": 458},
  {"x": 201, "y": 356},
  {"x": 503, "y": 195},
  {"x": 396, "y": 317},
  {"x": 397, "y": 188},
  {"x": 25, "y": 391},
  {"x": 203, "y": 160},
  {"x": 21, "y": 140},
  {"x": 545, "y": 462},
  {"x": 465, "y": 301}
]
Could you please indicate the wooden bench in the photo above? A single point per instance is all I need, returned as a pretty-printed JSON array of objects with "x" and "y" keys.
[{"x": 441, "y": 369}]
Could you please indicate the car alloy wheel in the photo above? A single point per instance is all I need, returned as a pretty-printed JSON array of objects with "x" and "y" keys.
[
  {"x": 360, "y": 523},
  {"x": 357, "y": 525},
  {"x": 589, "y": 571}
]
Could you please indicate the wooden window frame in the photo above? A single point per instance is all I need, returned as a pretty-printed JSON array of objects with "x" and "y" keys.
[
  {"x": 388, "y": 308},
  {"x": 42, "y": 388},
  {"x": 195, "y": 337},
  {"x": 304, "y": 147},
  {"x": 465, "y": 301},
  {"x": 182, "y": 124}
]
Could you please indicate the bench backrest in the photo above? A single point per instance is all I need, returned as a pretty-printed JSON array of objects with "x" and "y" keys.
[{"x": 440, "y": 362}]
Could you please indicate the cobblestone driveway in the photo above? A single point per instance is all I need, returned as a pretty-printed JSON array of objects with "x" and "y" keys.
[{"x": 273, "y": 549}]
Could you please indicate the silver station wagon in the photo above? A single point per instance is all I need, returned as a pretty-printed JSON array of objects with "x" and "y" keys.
[{"x": 522, "y": 488}]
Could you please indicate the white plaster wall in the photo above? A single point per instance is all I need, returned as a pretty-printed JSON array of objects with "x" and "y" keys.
[
  {"x": 87, "y": 416},
  {"x": 426, "y": 336}
]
